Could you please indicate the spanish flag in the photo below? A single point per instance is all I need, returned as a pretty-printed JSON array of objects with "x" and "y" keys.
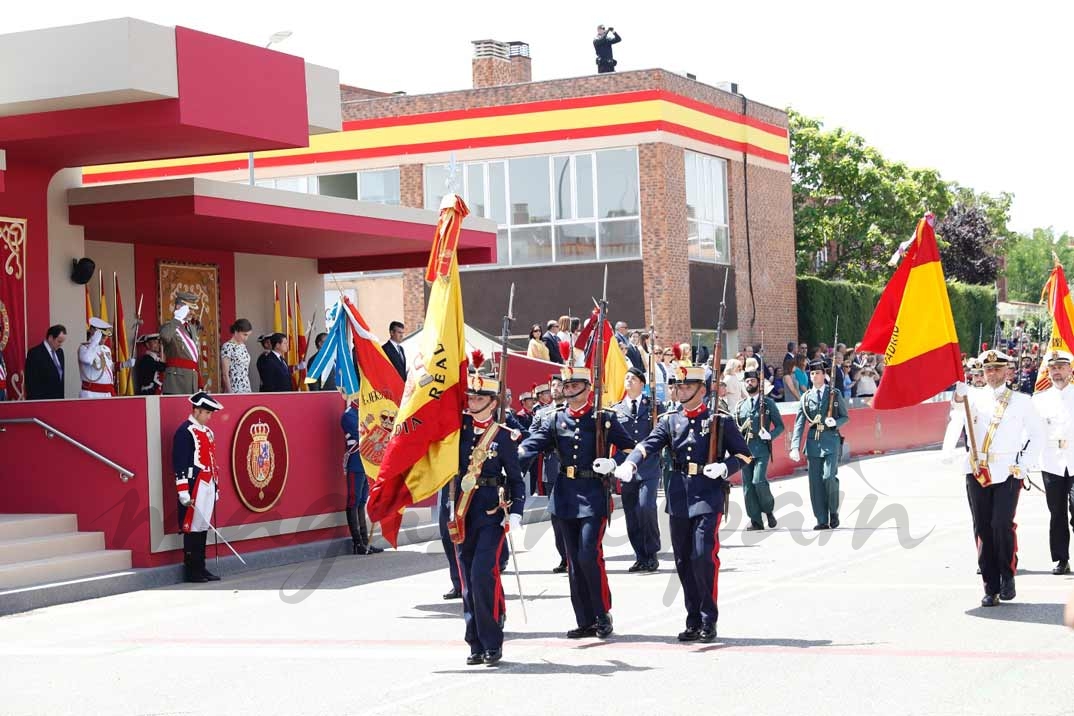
[
  {"x": 1057, "y": 294},
  {"x": 913, "y": 328},
  {"x": 277, "y": 322},
  {"x": 103, "y": 308},
  {"x": 124, "y": 384},
  {"x": 614, "y": 370},
  {"x": 423, "y": 452},
  {"x": 89, "y": 308},
  {"x": 299, "y": 375}
]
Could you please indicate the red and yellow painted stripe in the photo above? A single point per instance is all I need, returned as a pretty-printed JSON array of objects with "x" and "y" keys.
[{"x": 505, "y": 125}]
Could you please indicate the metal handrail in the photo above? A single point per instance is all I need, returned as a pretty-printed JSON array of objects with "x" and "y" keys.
[{"x": 50, "y": 432}]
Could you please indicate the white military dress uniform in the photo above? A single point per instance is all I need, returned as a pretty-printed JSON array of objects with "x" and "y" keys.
[{"x": 1056, "y": 409}]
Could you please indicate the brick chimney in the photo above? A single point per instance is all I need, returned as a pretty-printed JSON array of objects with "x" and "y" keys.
[{"x": 500, "y": 63}]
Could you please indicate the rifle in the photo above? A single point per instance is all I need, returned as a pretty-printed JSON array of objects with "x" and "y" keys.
[
  {"x": 715, "y": 426},
  {"x": 501, "y": 396},
  {"x": 598, "y": 386},
  {"x": 652, "y": 363},
  {"x": 831, "y": 394},
  {"x": 760, "y": 385}
]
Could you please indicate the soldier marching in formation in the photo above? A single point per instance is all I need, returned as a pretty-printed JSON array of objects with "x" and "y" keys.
[
  {"x": 639, "y": 495},
  {"x": 580, "y": 501},
  {"x": 1056, "y": 408},
  {"x": 759, "y": 421},
  {"x": 824, "y": 410}
]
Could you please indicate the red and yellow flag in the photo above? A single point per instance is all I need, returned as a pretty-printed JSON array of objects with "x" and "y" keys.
[
  {"x": 277, "y": 322},
  {"x": 615, "y": 365},
  {"x": 89, "y": 308},
  {"x": 379, "y": 396},
  {"x": 423, "y": 453},
  {"x": 103, "y": 306},
  {"x": 1057, "y": 294},
  {"x": 913, "y": 328},
  {"x": 299, "y": 374},
  {"x": 124, "y": 384},
  {"x": 292, "y": 349}
]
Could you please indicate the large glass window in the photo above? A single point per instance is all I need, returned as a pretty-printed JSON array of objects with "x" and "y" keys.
[
  {"x": 552, "y": 209},
  {"x": 376, "y": 185},
  {"x": 379, "y": 185},
  {"x": 706, "y": 208}
]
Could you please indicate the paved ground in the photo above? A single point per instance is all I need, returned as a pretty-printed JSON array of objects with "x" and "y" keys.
[{"x": 880, "y": 616}]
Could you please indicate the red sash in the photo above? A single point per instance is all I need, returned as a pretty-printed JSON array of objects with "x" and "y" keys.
[
  {"x": 99, "y": 388},
  {"x": 181, "y": 363}
]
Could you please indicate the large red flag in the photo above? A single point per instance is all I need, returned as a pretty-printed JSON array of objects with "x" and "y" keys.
[
  {"x": 913, "y": 327},
  {"x": 1057, "y": 294},
  {"x": 615, "y": 365},
  {"x": 423, "y": 453}
]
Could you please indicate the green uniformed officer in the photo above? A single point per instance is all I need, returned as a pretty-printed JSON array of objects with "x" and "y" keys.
[
  {"x": 759, "y": 438},
  {"x": 824, "y": 444}
]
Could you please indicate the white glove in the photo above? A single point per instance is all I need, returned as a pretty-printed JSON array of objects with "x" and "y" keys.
[
  {"x": 129, "y": 363},
  {"x": 625, "y": 472},
  {"x": 795, "y": 455},
  {"x": 302, "y": 365},
  {"x": 516, "y": 522},
  {"x": 961, "y": 389},
  {"x": 184, "y": 498},
  {"x": 830, "y": 422},
  {"x": 764, "y": 434},
  {"x": 181, "y": 313},
  {"x": 715, "y": 470},
  {"x": 603, "y": 466}
]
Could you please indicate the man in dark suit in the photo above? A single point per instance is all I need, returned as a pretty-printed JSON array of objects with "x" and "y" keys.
[
  {"x": 272, "y": 367},
  {"x": 630, "y": 350},
  {"x": 393, "y": 348},
  {"x": 45, "y": 366},
  {"x": 551, "y": 340}
]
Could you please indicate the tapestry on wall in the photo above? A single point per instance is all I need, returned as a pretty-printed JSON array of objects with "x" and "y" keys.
[
  {"x": 13, "y": 307},
  {"x": 203, "y": 280}
]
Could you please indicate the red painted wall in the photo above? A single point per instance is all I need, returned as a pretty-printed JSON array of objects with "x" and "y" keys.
[{"x": 24, "y": 197}]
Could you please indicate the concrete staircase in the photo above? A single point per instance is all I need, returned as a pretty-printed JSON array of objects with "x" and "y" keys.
[{"x": 48, "y": 549}]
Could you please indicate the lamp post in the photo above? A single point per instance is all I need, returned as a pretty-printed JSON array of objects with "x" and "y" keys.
[{"x": 274, "y": 38}]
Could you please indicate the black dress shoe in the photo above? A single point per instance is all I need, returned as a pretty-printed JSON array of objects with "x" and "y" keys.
[
  {"x": 754, "y": 527},
  {"x": 637, "y": 567},
  {"x": 653, "y": 565},
  {"x": 771, "y": 520},
  {"x": 1006, "y": 588},
  {"x": 370, "y": 549},
  {"x": 357, "y": 547},
  {"x": 493, "y": 656},
  {"x": 821, "y": 527},
  {"x": 197, "y": 578},
  {"x": 582, "y": 632},
  {"x": 990, "y": 600},
  {"x": 1062, "y": 567},
  {"x": 690, "y": 634},
  {"x": 834, "y": 522},
  {"x": 475, "y": 659},
  {"x": 707, "y": 634},
  {"x": 209, "y": 576},
  {"x": 561, "y": 569},
  {"x": 604, "y": 626},
  {"x": 453, "y": 594}
]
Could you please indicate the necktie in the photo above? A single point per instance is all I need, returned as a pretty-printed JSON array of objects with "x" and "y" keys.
[
  {"x": 56, "y": 362},
  {"x": 633, "y": 407},
  {"x": 401, "y": 354}
]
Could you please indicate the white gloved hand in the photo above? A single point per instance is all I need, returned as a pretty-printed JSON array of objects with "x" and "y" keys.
[
  {"x": 302, "y": 365},
  {"x": 516, "y": 522},
  {"x": 830, "y": 422},
  {"x": 961, "y": 389},
  {"x": 795, "y": 455},
  {"x": 181, "y": 313},
  {"x": 715, "y": 470},
  {"x": 184, "y": 498},
  {"x": 603, "y": 465},
  {"x": 625, "y": 472},
  {"x": 764, "y": 434}
]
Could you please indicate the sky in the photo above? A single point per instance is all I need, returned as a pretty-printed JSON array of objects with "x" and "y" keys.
[{"x": 978, "y": 91}]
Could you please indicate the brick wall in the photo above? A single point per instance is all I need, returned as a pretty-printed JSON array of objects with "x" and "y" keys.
[
  {"x": 412, "y": 193},
  {"x": 666, "y": 276},
  {"x": 771, "y": 248},
  {"x": 496, "y": 71}
]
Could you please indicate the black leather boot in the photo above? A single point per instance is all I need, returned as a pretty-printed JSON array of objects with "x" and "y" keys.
[
  {"x": 352, "y": 525},
  {"x": 364, "y": 529}
]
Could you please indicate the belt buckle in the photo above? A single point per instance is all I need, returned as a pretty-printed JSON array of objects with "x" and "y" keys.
[
  {"x": 570, "y": 471},
  {"x": 691, "y": 469}
]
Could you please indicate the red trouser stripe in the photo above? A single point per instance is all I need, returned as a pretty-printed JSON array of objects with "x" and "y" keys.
[
  {"x": 499, "y": 602},
  {"x": 716, "y": 560},
  {"x": 605, "y": 590}
]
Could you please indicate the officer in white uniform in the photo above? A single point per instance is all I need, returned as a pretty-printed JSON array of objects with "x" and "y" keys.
[
  {"x": 95, "y": 362},
  {"x": 1056, "y": 408},
  {"x": 1007, "y": 434}
]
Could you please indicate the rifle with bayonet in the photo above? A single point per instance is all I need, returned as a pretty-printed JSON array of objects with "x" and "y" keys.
[
  {"x": 652, "y": 364},
  {"x": 715, "y": 425},
  {"x": 501, "y": 396},
  {"x": 598, "y": 385}
]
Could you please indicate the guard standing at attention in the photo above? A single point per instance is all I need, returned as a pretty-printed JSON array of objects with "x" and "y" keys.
[
  {"x": 759, "y": 421},
  {"x": 639, "y": 495},
  {"x": 824, "y": 410}
]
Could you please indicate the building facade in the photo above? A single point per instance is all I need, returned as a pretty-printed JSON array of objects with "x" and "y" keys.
[{"x": 669, "y": 182}]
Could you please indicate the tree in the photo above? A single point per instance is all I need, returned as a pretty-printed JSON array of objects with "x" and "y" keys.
[
  {"x": 1029, "y": 261},
  {"x": 846, "y": 194},
  {"x": 967, "y": 248}
]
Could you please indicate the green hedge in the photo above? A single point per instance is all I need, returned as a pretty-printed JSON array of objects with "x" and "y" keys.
[{"x": 820, "y": 301}]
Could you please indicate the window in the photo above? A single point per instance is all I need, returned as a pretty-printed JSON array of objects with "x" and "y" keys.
[
  {"x": 379, "y": 185},
  {"x": 344, "y": 186},
  {"x": 706, "y": 208},
  {"x": 376, "y": 185},
  {"x": 552, "y": 209}
]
